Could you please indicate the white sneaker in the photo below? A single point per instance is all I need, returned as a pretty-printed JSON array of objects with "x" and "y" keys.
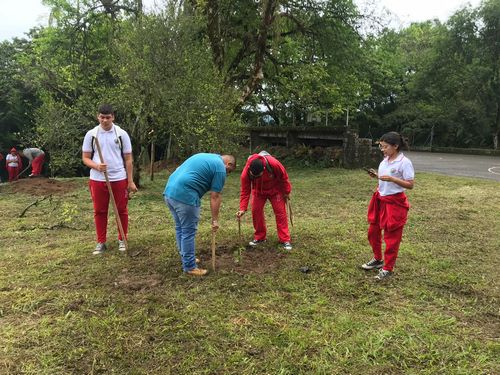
[
  {"x": 121, "y": 245},
  {"x": 254, "y": 243}
]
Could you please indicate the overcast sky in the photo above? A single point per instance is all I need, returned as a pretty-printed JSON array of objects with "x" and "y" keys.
[{"x": 18, "y": 16}]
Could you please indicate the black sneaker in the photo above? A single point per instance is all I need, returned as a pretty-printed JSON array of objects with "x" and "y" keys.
[
  {"x": 383, "y": 275},
  {"x": 372, "y": 264},
  {"x": 256, "y": 242},
  {"x": 99, "y": 249}
]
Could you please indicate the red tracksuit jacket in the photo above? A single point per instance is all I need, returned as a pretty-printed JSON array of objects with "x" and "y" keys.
[
  {"x": 266, "y": 185},
  {"x": 393, "y": 213}
]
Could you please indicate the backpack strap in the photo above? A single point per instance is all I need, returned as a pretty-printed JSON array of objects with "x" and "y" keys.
[
  {"x": 269, "y": 169},
  {"x": 119, "y": 131}
]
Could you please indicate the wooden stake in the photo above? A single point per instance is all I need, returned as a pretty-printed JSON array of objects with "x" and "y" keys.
[
  {"x": 213, "y": 250},
  {"x": 290, "y": 211}
]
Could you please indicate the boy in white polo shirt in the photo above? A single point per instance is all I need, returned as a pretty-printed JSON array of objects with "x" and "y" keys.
[
  {"x": 118, "y": 163},
  {"x": 388, "y": 208}
]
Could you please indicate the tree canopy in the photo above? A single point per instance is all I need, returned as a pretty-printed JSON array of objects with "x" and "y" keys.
[{"x": 192, "y": 74}]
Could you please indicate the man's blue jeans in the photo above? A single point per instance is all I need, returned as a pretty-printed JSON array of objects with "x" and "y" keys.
[{"x": 186, "y": 219}]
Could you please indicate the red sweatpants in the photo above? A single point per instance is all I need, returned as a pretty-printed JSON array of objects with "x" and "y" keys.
[
  {"x": 13, "y": 173},
  {"x": 392, "y": 241},
  {"x": 37, "y": 164},
  {"x": 259, "y": 220},
  {"x": 100, "y": 197}
]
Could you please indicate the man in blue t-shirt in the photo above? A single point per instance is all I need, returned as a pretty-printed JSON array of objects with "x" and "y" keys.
[{"x": 185, "y": 187}]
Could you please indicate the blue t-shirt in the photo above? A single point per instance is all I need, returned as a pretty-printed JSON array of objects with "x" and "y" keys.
[{"x": 193, "y": 178}]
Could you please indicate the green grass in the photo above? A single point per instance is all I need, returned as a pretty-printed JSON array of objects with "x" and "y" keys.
[{"x": 64, "y": 311}]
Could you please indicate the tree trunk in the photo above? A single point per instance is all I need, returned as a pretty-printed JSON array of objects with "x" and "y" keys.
[
  {"x": 497, "y": 128},
  {"x": 213, "y": 30},
  {"x": 137, "y": 148},
  {"x": 169, "y": 146},
  {"x": 268, "y": 9},
  {"x": 152, "y": 164}
]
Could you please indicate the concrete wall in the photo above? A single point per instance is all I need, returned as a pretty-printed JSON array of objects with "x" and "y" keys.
[{"x": 356, "y": 152}]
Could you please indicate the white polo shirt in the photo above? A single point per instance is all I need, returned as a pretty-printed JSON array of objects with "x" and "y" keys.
[
  {"x": 111, "y": 153},
  {"x": 11, "y": 160},
  {"x": 401, "y": 167}
]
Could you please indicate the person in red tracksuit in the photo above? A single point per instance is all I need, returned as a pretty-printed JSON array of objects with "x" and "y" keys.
[
  {"x": 266, "y": 178},
  {"x": 388, "y": 208},
  {"x": 14, "y": 164},
  {"x": 115, "y": 167}
]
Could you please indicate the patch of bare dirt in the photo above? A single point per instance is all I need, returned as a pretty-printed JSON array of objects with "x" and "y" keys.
[
  {"x": 40, "y": 186},
  {"x": 244, "y": 260},
  {"x": 137, "y": 282}
]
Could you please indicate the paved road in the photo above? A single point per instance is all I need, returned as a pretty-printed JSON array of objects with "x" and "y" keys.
[{"x": 456, "y": 165}]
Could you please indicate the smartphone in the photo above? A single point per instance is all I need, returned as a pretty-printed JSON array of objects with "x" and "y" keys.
[{"x": 372, "y": 172}]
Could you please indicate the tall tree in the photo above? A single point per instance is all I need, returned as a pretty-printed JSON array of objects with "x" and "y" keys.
[
  {"x": 490, "y": 56},
  {"x": 298, "y": 56},
  {"x": 17, "y": 96}
]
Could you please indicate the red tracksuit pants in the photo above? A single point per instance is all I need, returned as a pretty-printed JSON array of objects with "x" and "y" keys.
[
  {"x": 392, "y": 241},
  {"x": 37, "y": 164},
  {"x": 259, "y": 220},
  {"x": 13, "y": 173},
  {"x": 100, "y": 197}
]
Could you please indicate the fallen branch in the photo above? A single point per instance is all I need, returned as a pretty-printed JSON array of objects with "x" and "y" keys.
[
  {"x": 35, "y": 203},
  {"x": 52, "y": 227}
]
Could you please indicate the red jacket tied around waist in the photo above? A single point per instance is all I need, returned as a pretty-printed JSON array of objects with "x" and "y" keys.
[{"x": 390, "y": 212}]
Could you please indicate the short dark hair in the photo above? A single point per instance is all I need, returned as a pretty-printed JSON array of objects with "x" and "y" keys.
[
  {"x": 394, "y": 139},
  {"x": 106, "y": 109},
  {"x": 256, "y": 167}
]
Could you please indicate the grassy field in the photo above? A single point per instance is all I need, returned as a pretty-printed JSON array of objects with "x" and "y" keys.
[{"x": 64, "y": 311}]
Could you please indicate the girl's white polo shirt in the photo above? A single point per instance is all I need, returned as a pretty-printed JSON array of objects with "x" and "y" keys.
[{"x": 401, "y": 167}]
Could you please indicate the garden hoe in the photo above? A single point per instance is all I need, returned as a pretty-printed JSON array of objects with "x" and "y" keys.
[
  {"x": 115, "y": 209},
  {"x": 24, "y": 170}
]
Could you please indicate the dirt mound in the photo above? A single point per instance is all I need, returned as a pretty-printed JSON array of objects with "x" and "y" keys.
[
  {"x": 244, "y": 260},
  {"x": 40, "y": 186}
]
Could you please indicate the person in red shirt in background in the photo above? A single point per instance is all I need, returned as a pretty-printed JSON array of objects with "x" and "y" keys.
[
  {"x": 267, "y": 179},
  {"x": 14, "y": 164}
]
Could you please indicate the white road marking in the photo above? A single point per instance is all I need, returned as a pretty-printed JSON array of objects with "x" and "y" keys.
[{"x": 494, "y": 170}]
